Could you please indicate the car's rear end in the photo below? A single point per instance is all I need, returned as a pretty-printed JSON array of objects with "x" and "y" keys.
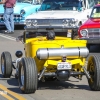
[{"x": 53, "y": 54}]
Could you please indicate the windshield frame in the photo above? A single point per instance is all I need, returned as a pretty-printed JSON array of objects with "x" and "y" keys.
[
  {"x": 91, "y": 15},
  {"x": 63, "y": 5}
]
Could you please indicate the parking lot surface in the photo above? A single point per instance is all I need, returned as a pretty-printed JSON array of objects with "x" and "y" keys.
[{"x": 73, "y": 89}]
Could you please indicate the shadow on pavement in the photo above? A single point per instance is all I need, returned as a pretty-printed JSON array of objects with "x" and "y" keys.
[
  {"x": 95, "y": 49},
  {"x": 13, "y": 82},
  {"x": 58, "y": 85},
  {"x": 2, "y": 78},
  {"x": 54, "y": 85},
  {"x": 18, "y": 27},
  {"x": 16, "y": 90}
]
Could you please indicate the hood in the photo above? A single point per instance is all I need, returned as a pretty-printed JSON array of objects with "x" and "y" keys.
[
  {"x": 53, "y": 14},
  {"x": 20, "y": 6},
  {"x": 1, "y": 8},
  {"x": 92, "y": 23},
  {"x": 17, "y": 8}
]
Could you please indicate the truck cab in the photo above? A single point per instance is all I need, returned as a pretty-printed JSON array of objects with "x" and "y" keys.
[{"x": 90, "y": 30}]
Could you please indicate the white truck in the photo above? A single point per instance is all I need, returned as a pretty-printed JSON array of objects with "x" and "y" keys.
[{"x": 59, "y": 15}]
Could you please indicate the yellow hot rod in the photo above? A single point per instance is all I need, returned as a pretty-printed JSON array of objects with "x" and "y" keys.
[{"x": 51, "y": 57}]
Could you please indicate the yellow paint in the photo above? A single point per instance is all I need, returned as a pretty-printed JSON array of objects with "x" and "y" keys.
[
  {"x": 11, "y": 93},
  {"x": 33, "y": 44},
  {"x": 7, "y": 97},
  {"x": 98, "y": 2}
]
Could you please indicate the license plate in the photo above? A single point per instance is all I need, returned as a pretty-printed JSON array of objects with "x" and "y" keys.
[
  {"x": 69, "y": 33},
  {"x": 63, "y": 66}
]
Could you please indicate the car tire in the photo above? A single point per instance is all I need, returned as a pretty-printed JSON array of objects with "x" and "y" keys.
[
  {"x": 6, "y": 64},
  {"x": 16, "y": 76},
  {"x": 72, "y": 35},
  {"x": 28, "y": 77},
  {"x": 89, "y": 46},
  {"x": 93, "y": 67}
]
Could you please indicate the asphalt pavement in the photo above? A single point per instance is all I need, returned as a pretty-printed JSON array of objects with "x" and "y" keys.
[{"x": 73, "y": 89}]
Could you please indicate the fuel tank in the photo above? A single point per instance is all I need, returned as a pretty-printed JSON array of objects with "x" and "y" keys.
[{"x": 58, "y": 53}]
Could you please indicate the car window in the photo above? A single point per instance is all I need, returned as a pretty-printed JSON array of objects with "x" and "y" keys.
[
  {"x": 61, "y": 5},
  {"x": 95, "y": 13},
  {"x": 91, "y": 3}
]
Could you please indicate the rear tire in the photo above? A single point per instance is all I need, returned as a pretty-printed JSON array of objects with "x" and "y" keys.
[
  {"x": 28, "y": 77},
  {"x": 72, "y": 35},
  {"x": 6, "y": 64},
  {"x": 88, "y": 46},
  {"x": 93, "y": 67}
]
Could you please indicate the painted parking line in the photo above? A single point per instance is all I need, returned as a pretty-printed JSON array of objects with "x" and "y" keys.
[
  {"x": 6, "y": 93},
  {"x": 8, "y": 37},
  {"x": 7, "y": 97}
]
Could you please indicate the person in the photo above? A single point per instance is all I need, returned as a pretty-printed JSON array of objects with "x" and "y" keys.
[
  {"x": 8, "y": 15},
  {"x": 79, "y": 5}
]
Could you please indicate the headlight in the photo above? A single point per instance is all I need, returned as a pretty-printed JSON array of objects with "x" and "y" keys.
[
  {"x": 65, "y": 22},
  {"x": 70, "y": 22},
  {"x": 34, "y": 22},
  {"x": 22, "y": 12},
  {"x": 31, "y": 22},
  {"x": 73, "y": 21},
  {"x": 28, "y": 22},
  {"x": 84, "y": 32}
]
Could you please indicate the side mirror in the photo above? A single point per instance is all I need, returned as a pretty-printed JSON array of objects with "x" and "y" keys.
[{"x": 88, "y": 16}]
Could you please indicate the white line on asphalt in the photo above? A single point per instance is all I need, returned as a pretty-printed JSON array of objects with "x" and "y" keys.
[{"x": 8, "y": 37}]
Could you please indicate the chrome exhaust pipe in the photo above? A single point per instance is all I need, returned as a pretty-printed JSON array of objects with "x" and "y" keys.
[{"x": 58, "y": 53}]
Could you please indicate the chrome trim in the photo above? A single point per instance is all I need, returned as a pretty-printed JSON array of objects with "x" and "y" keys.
[
  {"x": 93, "y": 32},
  {"x": 18, "y": 19},
  {"x": 22, "y": 76},
  {"x": 44, "y": 29},
  {"x": 51, "y": 23},
  {"x": 2, "y": 66},
  {"x": 47, "y": 26}
]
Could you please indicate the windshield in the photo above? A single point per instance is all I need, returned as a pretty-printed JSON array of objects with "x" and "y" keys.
[
  {"x": 95, "y": 12},
  {"x": 25, "y": 1},
  {"x": 61, "y": 5}
]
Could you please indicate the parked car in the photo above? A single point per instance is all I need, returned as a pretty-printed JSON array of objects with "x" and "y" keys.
[
  {"x": 22, "y": 9},
  {"x": 90, "y": 30},
  {"x": 51, "y": 58},
  {"x": 59, "y": 15}
]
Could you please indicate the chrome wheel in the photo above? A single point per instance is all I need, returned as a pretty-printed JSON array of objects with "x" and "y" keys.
[
  {"x": 2, "y": 65},
  {"x": 93, "y": 67},
  {"x": 22, "y": 76}
]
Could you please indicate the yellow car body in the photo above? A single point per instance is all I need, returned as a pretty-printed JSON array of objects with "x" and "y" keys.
[
  {"x": 46, "y": 59},
  {"x": 33, "y": 44}
]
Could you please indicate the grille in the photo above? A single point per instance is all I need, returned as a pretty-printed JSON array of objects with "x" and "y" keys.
[
  {"x": 94, "y": 32},
  {"x": 1, "y": 17},
  {"x": 49, "y": 21},
  {"x": 16, "y": 17}
]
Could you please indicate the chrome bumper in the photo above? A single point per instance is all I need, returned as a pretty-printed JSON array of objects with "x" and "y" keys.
[
  {"x": 46, "y": 28},
  {"x": 15, "y": 23},
  {"x": 92, "y": 40}
]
